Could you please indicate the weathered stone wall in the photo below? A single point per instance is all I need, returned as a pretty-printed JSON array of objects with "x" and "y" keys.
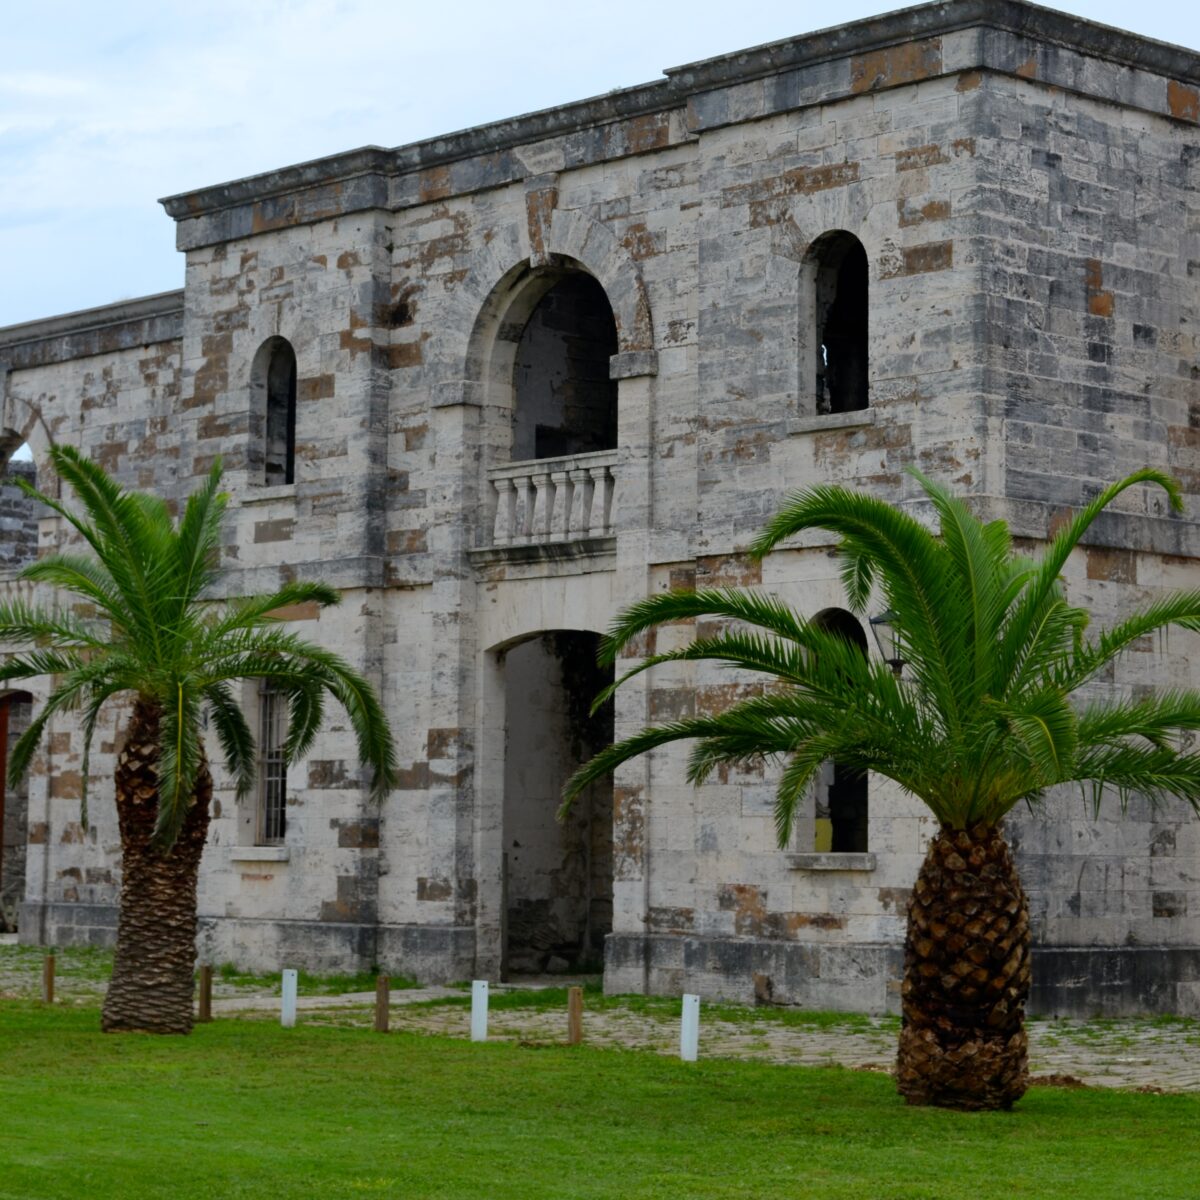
[{"x": 1023, "y": 185}]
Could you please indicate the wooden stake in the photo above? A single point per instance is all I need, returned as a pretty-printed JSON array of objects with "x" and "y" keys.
[
  {"x": 48, "y": 978},
  {"x": 574, "y": 1016},
  {"x": 205, "y": 1013},
  {"x": 383, "y": 1002}
]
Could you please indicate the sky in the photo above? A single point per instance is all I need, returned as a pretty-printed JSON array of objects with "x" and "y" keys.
[{"x": 105, "y": 107}]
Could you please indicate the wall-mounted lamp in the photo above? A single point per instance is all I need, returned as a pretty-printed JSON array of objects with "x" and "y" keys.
[{"x": 884, "y": 629}]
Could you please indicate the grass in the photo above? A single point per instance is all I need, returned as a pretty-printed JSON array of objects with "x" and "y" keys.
[
  {"x": 308, "y": 984},
  {"x": 82, "y": 971},
  {"x": 246, "y": 1109}
]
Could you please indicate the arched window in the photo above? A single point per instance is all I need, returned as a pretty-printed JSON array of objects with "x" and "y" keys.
[
  {"x": 839, "y": 273},
  {"x": 841, "y": 801},
  {"x": 564, "y": 402},
  {"x": 273, "y": 380},
  {"x": 18, "y": 513}
]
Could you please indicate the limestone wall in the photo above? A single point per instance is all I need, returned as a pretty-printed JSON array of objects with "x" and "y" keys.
[{"x": 1023, "y": 185}]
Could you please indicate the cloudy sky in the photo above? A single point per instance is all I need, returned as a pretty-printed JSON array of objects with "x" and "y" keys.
[{"x": 104, "y": 107}]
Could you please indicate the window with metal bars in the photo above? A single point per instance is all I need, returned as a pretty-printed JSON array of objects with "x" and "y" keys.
[{"x": 272, "y": 766}]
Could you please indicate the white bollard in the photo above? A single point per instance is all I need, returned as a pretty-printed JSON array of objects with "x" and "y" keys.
[
  {"x": 288, "y": 1016},
  {"x": 479, "y": 1003},
  {"x": 689, "y": 1029}
]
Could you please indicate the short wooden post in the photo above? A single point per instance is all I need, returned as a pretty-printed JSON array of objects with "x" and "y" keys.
[
  {"x": 205, "y": 1010},
  {"x": 383, "y": 1000},
  {"x": 574, "y": 1016},
  {"x": 48, "y": 978}
]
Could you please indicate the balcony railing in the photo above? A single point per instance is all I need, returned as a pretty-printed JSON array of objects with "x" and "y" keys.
[
  {"x": 553, "y": 499},
  {"x": 26, "y": 591}
]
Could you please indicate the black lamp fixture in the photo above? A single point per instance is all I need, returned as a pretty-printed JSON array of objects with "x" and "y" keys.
[{"x": 884, "y": 629}]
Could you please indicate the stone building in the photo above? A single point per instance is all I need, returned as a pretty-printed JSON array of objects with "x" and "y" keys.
[{"x": 495, "y": 385}]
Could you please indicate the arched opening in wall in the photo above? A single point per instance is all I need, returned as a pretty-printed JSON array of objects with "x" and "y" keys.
[
  {"x": 838, "y": 264},
  {"x": 841, "y": 817},
  {"x": 18, "y": 513},
  {"x": 15, "y": 713},
  {"x": 557, "y": 889},
  {"x": 273, "y": 412},
  {"x": 563, "y": 400}
]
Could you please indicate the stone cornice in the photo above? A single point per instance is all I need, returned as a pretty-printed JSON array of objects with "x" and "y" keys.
[
  {"x": 121, "y": 326},
  {"x": 815, "y": 68},
  {"x": 1046, "y": 25}
]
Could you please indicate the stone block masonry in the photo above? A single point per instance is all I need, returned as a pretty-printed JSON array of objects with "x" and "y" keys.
[{"x": 525, "y": 374}]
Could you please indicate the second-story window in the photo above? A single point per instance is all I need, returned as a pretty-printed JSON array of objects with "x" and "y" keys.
[
  {"x": 564, "y": 402},
  {"x": 840, "y": 264},
  {"x": 272, "y": 766},
  {"x": 279, "y": 449}
]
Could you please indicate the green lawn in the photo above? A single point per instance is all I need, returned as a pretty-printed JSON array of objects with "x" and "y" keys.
[{"x": 246, "y": 1109}]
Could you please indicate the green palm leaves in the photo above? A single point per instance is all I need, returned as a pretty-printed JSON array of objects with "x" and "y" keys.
[
  {"x": 154, "y": 635},
  {"x": 983, "y": 717}
]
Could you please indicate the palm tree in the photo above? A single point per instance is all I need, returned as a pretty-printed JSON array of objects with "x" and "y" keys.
[
  {"x": 156, "y": 641},
  {"x": 982, "y": 719}
]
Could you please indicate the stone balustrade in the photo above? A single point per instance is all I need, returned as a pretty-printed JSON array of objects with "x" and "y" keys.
[
  {"x": 554, "y": 499},
  {"x": 26, "y": 591}
]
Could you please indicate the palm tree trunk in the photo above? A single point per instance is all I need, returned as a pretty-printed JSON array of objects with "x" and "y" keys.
[
  {"x": 152, "y": 979},
  {"x": 966, "y": 976}
]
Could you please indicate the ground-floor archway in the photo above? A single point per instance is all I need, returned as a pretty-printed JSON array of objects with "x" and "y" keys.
[
  {"x": 556, "y": 892},
  {"x": 15, "y": 709}
]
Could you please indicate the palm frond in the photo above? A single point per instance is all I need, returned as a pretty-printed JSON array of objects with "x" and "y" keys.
[
  {"x": 234, "y": 735},
  {"x": 751, "y": 608},
  {"x": 1046, "y": 577},
  {"x": 167, "y": 644}
]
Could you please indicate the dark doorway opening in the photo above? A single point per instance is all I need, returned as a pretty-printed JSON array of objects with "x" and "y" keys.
[
  {"x": 564, "y": 401},
  {"x": 841, "y": 818},
  {"x": 557, "y": 875}
]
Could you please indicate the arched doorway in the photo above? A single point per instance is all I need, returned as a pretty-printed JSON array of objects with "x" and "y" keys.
[
  {"x": 542, "y": 348},
  {"x": 18, "y": 546},
  {"x": 15, "y": 713},
  {"x": 556, "y": 890}
]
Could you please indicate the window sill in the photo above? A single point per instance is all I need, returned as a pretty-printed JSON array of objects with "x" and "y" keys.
[
  {"x": 260, "y": 854},
  {"x": 823, "y": 421},
  {"x": 831, "y": 862},
  {"x": 260, "y": 493}
]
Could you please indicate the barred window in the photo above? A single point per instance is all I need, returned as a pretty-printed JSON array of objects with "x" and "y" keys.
[{"x": 272, "y": 766}]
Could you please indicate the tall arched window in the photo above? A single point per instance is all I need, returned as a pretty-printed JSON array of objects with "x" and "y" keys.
[
  {"x": 564, "y": 401},
  {"x": 839, "y": 273},
  {"x": 273, "y": 380},
  {"x": 841, "y": 803}
]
